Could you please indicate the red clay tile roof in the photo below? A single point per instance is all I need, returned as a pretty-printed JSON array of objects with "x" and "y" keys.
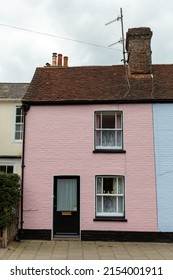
[{"x": 99, "y": 84}]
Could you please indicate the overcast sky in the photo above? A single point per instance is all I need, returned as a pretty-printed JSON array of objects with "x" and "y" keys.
[{"x": 77, "y": 20}]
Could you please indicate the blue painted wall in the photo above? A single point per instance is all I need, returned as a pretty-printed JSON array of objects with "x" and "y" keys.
[{"x": 163, "y": 141}]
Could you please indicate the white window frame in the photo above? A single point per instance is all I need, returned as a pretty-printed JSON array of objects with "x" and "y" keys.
[
  {"x": 6, "y": 163},
  {"x": 117, "y": 195},
  {"x": 18, "y": 123},
  {"x": 115, "y": 129}
]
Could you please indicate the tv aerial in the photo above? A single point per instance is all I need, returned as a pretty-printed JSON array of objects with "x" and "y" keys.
[{"x": 122, "y": 40}]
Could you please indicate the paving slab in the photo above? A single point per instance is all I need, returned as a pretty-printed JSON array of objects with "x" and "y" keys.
[{"x": 86, "y": 250}]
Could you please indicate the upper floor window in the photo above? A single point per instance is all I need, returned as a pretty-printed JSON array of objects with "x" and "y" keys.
[
  {"x": 108, "y": 130},
  {"x": 19, "y": 123}
]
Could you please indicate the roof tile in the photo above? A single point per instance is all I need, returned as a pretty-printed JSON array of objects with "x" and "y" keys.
[
  {"x": 99, "y": 84},
  {"x": 13, "y": 90}
]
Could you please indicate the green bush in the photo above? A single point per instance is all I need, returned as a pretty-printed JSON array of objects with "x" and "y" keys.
[{"x": 9, "y": 198}]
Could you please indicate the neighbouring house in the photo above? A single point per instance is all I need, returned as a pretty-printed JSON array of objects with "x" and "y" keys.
[
  {"x": 97, "y": 162},
  {"x": 163, "y": 131},
  {"x": 11, "y": 126}
]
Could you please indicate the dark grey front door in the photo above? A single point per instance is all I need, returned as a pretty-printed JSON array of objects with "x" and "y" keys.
[{"x": 66, "y": 216}]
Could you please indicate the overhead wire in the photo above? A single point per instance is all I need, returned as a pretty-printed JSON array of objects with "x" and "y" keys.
[{"x": 56, "y": 36}]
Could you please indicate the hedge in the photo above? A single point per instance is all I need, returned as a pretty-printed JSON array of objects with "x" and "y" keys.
[{"x": 9, "y": 198}]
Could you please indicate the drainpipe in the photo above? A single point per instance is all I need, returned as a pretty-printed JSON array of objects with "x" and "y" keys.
[{"x": 25, "y": 109}]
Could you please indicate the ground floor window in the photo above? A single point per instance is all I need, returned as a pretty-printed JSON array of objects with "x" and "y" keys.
[
  {"x": 110, "y": 196},
  {"x": 7, "y": 168}
]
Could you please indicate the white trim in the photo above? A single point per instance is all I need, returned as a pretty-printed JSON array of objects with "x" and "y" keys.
[
  {"x": 109, "y": 147},
  {"x": 112, "y": 214}
]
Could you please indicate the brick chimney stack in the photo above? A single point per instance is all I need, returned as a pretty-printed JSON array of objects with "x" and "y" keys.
[{"x": 138, "y": 45}]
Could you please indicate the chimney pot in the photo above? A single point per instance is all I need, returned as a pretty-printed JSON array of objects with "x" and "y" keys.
[
  {"x": 54, "y": 59},
  {"x": 138, "y": 45},
  {"x": 59, "y": 59},
  {"x": 65, "y": 61}
]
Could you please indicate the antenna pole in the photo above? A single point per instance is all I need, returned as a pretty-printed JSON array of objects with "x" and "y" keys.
[{"x": 122, "y": 30}]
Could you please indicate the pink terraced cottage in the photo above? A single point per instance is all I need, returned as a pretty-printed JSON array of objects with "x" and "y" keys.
[{"x": 88, "y": 161}]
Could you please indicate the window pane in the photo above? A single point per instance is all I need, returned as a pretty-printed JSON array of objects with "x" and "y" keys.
[
  {"x": 98, "y": 138},
  {"x": 19, "y": 131},
  {"x": 109, "y": 204},
  {"x": 3, "y": 168},
  {"x": 18, "y": 119},
  {"x": 99, "y": 185},
  {"x": 120, "y": 205},
  {"x": 98, "y": 120},
  {"x": 119, "y": 138},
  {"x": 18, "y": 111},
  {"x": 9, "y": 169},
  {"x": 118, "y": 118},
  {"x": 99, "y": 204},
  {"x": 19, "y": 127},
  {"x": 120, "y": 186},
  {"x": 115, "y": 186},
  {"x": 67, "y": 195},
  {"x": 108, "y": 138},
  {"x": 17, "y": 135},
  {"x": 108, "y": 185},
  {"x": 108, "y": 121}
]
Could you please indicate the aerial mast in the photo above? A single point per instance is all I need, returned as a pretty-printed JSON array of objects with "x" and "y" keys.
[
  {"x": 122, "y": 40},
  {"x": 122, "y": 31}
]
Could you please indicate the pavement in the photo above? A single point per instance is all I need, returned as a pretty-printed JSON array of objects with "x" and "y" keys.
[{"x": 86, "y": 250}]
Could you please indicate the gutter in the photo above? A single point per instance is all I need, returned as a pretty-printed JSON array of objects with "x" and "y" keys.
[
  {"x": 25, "y": 109},
  {"x": 10, "y": 157},
  {"x": 91, "y": 102},
  {"x": 10, "y": 100}
]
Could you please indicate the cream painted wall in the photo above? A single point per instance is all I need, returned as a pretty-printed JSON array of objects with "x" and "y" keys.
[{"x": 8, "y": 145}]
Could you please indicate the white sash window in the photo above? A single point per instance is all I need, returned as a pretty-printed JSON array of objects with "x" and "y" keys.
[
  {"x": 18, "y": 134},
  {"x": 108, "y": 130},
  {"x": 110, "y": 196}
]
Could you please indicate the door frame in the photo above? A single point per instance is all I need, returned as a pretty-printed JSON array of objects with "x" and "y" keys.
[{"x": 55, "y": 178}]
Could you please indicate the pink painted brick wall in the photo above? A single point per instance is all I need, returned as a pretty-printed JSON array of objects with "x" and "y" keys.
[{"x": 60, "y": 141}]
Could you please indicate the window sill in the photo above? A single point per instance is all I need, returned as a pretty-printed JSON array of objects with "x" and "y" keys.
[
  {"x": 109, "y": 151},
  {"x": 17, "y": 141},
  {"x": 110, "y": 219}
]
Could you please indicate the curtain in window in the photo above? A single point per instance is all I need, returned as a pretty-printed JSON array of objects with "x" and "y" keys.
[
  {"x": 108, "y": 138},
  {"x": 109, "y": 204},
  {"x": 67, "y": 195}
]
